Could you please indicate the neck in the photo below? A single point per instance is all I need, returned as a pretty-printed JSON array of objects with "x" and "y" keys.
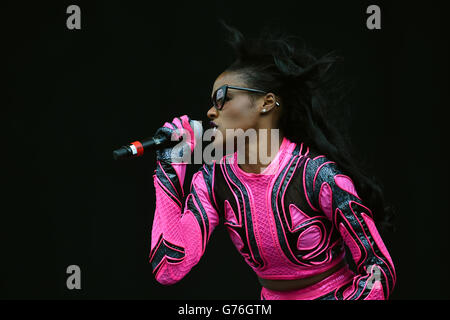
[{"x": 260, "y": 152}]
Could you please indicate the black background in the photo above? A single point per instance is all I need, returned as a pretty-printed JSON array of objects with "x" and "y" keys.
[{"x": 72, "y": 96}]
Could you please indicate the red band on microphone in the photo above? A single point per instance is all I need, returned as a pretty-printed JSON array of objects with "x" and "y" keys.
[{"x": 138, "y": 149}]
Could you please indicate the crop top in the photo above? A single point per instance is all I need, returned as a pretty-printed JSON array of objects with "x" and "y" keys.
[{"x": 289, "y": 222}]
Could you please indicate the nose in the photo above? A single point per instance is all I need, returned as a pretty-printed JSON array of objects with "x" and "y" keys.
[{"x": 212, "y": 113}]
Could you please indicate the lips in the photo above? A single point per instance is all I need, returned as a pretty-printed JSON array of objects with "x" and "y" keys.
[{"x": 212, "y": 124}]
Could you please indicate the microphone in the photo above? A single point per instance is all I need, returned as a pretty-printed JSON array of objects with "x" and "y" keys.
[{"x": 137, "y": 148}]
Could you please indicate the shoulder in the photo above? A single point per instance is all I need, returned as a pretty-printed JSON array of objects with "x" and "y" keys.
[{"x": 319, "y": 169}]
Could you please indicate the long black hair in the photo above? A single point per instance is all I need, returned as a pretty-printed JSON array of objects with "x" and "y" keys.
[{"x": 281, "y": 63}]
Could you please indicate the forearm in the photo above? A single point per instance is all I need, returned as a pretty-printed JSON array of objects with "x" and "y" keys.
[
  {"x": 375, "y": 278},
  {"x": 179, "y": 235},
  {"x": 176, "y": 242},
  {"x": 168, "y": 248},
  {"x": 335, "y": 194}
]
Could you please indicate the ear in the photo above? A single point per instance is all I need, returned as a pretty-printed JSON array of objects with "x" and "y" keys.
[{"x": 270, "y": 101}]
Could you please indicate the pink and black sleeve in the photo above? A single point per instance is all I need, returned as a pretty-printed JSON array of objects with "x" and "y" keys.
[
  {"x": 333, "y": 192},
  {"x": 180, "y": 233}
]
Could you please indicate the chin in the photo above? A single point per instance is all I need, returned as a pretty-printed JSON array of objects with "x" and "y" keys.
[{"x": 219, "y": 142}]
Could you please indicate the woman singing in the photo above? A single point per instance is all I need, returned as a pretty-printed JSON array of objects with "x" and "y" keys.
[{"x": 291, "y": 218}]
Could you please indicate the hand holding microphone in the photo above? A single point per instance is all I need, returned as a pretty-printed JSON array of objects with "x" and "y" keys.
[{"x": 166, "y": 141}]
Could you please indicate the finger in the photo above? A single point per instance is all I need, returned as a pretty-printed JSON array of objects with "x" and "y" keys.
[
  {"x": 169, "y": 125},
  {"x": 189, "y": 129},
  {"x": 176, "y": 121},
  {"x": 184, "y": 118}
]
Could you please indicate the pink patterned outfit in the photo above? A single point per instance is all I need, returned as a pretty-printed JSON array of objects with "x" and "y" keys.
[{"x": 289, "y": 222}]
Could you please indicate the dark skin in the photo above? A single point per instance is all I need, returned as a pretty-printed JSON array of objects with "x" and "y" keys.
[{"x": 240, "y": 112}]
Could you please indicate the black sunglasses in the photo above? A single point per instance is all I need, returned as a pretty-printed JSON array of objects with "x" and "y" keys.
[{"x": 220, "y": 95}]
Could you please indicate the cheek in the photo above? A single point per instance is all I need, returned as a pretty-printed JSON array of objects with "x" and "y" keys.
[{"x": 241, "y": 115}]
